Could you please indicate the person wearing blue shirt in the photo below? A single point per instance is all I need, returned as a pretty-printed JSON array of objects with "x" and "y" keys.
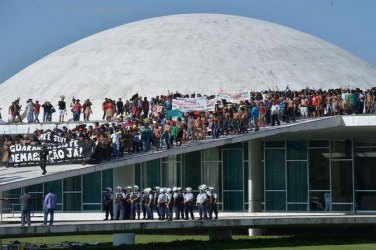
[
  {"x": 255, "y": 114},
  {"x": 49, "y": 207}
]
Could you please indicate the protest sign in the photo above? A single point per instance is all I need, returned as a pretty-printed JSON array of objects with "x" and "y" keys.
[
  {"x": 234, "y": 97},
  {"x": 61, "y": 150},
  {"x": 190, "y": 104}
]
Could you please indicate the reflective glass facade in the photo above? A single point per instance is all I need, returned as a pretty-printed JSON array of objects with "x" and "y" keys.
[{"x": 298, "y": 174}]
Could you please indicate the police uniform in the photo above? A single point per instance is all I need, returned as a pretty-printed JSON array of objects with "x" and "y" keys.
[
  {"x": 188, "y": 202},
  {"x": 127, "y": 205},
  {"x": 119, "y": 196},
  {"x": 179, "y": 204},
  {"x": 155, "y": 202},
  {"x": 201, "y": 204},
  {"x": 107, "y": 203},
  {"x": 212, "y": 204},
  {"x": 135, "y": 204},
  {"x": 170, "y": 205},
  {"x": 162, "y": 200},
  {"x": 148, "y": 203}
]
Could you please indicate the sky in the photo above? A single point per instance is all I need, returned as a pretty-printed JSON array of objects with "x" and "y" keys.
[{"x": 32, "y": 29}]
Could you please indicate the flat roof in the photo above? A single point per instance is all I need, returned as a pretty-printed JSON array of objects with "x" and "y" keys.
[{"x": 16, "y": 177}]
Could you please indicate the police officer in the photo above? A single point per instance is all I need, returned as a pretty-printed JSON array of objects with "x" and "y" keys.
[
  {"x": 188, "y": 203},
  {"x": 108, "y": 203},
  {"x": 43, "y": 159},
  {"x": 201, "y": 201},
  {"x": 127, "y": 203},
  {"x": 156, "y": 195},
  {"x": 170, "y": 204},
  {"x": 147, "y": 201},
  {"x": 212, "y": 198},
  {"x": 179, "y": 203},
  {"x": 119, "y": 196},
  {"x": 135, "y": 203},
  {"x": 162, "y": 200}
]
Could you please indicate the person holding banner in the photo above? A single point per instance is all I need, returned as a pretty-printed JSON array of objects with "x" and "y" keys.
[{"x": 43, "y": 159}]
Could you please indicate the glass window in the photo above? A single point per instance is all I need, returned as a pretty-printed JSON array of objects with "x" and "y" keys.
[
  {"x": 233, "y": 169},
  {"x": 92, "y": 188},
  {"x": 192, "y": 169},
  {"x": 245, "y": 148},
  {"x": 275, "y": 201},
  {"x": 211, "y": 172},
  {"x": 316, "y": 201},
  {"x": 319, "y": 178},
  {"x": 72, "y": 201},
  {"x": 57, "y": 187},
  {"x": 153, "y": 173},
  {"x": 365, "y": 173},
  {"x": 169, "y": 173},
  {"x": 107, "y": 178},
  {"x": 341, "y": 149},
  {"x": 342, "y": 185},
  {"x": 211, "y": 154},
  {"x": 365, "y": 200},
  {"x": 246, "y": 181},
  {"x": 297, "y": 186},
  {"x": 274, "y": 144},
  {"x": 296, "y": 150},
  {"x": 72, "y": 183},
  {"x": 275, "y": 169},
  {"x": 92, "y": 207},
  {"x": 318, "y": 143},
  {"x": 297, "y": 207},
  {"x": 35, "y": 188},
  {"x": 137, "y": 174},
  {"x": 233, "y": 201}
]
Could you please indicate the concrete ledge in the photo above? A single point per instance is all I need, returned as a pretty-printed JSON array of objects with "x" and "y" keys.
[{"x": 110, "y": 227}]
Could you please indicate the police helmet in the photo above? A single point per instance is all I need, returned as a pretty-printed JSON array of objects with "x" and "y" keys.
[
  {"x": 162, "y": 190},
  {"x": 188, "y": 189},
  {"x": 157, "y": 188},
  {"x": 119, "y": 188},
  {"x": 129, "y": 187},
  {"x": 136, "y": 188},
  {"x": 108, "y": 189},
  {"x": 211, "y": 188},
  {"x": 168, "y": 190},
  {"x": 203, "y": 187},
  {"x": 174, "y": 189},
  {"x": 179, "y": 188}
]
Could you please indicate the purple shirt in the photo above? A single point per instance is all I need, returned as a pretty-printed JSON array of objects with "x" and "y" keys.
[{"x": 50, "y": 201}]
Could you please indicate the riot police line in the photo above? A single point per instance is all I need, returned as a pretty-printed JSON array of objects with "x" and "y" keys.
[{"x": 169, "y": 203}]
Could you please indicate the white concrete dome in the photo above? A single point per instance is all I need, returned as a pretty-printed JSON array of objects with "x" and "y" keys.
[{"x": 187, "y": 53}]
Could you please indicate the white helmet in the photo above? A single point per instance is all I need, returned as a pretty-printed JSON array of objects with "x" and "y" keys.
[
  {"x": 174, "y": 189},
  {"x": 157, "y": 188},
  {"x": 188, "y": 189},
  {"x": 168, "y": 190},
  {"x": 135, "y": 187},
  {"x": 129, "y": 187},
  {"x": 179, "y": 189},
  {"x": 211, "y": 188},
  {"x": 163, "y": 190},
  {"x": 203, "y": 187},
  {"x": 119, "y": 188},
  {"x": 108, "y": 189}
]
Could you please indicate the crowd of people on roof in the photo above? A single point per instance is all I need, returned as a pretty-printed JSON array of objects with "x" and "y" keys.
[{"x": 135, "y": 125}]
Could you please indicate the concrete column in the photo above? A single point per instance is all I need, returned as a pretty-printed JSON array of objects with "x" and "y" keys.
[
  {"x": 220, "y": 234},
  {"x": 255, "y": 181},
  {"x": 123, "y": 238}
]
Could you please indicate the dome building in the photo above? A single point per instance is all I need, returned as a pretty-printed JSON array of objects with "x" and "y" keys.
[{"x": 189, "y": 53}]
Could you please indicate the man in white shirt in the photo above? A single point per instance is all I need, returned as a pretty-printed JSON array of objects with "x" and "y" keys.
[
  {"x": 201, "y": 203},
  {"x": 188, "y": 203}
]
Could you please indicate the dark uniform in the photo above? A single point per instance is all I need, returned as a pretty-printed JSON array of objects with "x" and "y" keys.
[
  {"x": 127, "y": 205},
  {"x": 108, "y": 204},
  {"x": 179, "y": 205},
  {"x": 135, "y": 204},
  {"x": 43, "y": 159}
]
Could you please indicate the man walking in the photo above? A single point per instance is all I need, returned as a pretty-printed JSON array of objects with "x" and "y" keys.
[
  {"x": 49, "y": 207},
  {"x": 25, "y": 201}
]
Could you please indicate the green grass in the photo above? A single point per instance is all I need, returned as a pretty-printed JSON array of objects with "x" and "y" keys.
[{"x": 199, "y": 242}]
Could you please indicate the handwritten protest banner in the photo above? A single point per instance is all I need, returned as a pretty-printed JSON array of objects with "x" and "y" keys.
[
  {"x": 190, "y": 104},
  {"x": 234, "y": 97}
]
